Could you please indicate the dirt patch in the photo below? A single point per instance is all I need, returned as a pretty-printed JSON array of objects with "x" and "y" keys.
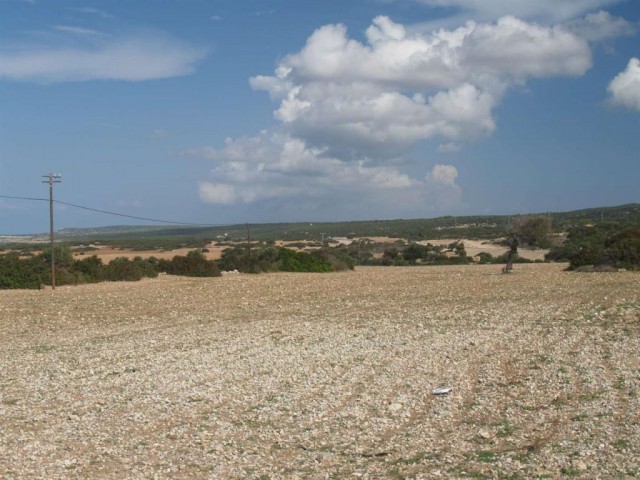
[
  {"x": 109, "y": 253},
  {"x": 475, "y": 247}
]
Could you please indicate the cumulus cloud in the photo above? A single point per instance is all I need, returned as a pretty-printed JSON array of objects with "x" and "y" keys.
[
  {"x": 137, "y": 58},
  {"x": 600, "y": 26},
  {"x": 442, "y": 181},
  {"x": 398, "y": 88},
  {"x": 350, "y": 111},
  {"x": 443, "y": 59},
  {"x": 625, "y": 87},
  {"x": 276, "y": 165},
  {"x": 443, "y": 174}
]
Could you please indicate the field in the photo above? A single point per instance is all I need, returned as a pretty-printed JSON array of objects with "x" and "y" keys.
[
  {"x": 473, "y": 248},
  {"x": 287, "y": 376}
]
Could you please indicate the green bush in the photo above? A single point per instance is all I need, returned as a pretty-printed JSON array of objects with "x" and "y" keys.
[
  {"x": 623, "y": 249},
  {"x": 238, "y": 258},
  {"x": 123, "y": 269},
  {"x": 290, "y": 261},
  {"x": 485, "y": 258},
  {"x": 610, "y": 245},
  {"x": 280, "y": 259},
  {"x": 22, "y": 273},
  {"x": 194, "y": 264}
]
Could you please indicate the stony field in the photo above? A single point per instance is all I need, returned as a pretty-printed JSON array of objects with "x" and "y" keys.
[{"x": 287, "y": 376}]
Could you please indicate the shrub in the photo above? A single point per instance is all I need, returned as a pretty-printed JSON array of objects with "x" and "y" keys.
[
  {"x": 290, "y": 261},
  {"x": 623, "y": 249},
  {"x": 238, "y": 258},
  {"x": 90, "y": 269},
  {"x": 274, "y": 259},
  {"x": 485, "y": 258},
  {"x": 194, "y": 264},
  {"x": 602, "y": 245},
  {"x": 123, "y": 269},
  {"x": 390, "y": 255},
  {"x": 22, "y": 273},
  {"x": 338, "y": 259}
]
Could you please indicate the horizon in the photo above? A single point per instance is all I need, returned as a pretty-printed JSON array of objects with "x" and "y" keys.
[
  {"x": 310, "y": 222},
  {"x": 323, "y": 112}
]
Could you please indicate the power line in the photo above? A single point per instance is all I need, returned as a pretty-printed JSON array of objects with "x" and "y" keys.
[
  {"x": 143, "y": 218},
  {"x": 170, "y": 222},
  {"x": 25, "y": 198}
]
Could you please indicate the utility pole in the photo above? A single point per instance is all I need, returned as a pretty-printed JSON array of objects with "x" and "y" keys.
[
  {"x": 52, "y": 178},
  {"x": 249, "y": 239}
]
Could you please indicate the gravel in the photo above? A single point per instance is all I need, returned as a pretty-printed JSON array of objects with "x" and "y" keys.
[{"x": 325, "y": 376}]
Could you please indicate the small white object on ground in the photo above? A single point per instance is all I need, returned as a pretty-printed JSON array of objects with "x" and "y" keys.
[{"x": 441, "y": 391}]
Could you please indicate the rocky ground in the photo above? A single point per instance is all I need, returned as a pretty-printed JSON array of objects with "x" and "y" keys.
[{"x": 287, "y": 376}]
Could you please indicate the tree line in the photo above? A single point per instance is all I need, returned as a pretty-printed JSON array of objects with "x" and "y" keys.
[{"x": 612, "y": 245}]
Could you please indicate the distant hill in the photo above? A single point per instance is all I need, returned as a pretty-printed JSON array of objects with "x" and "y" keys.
[{"x": 472, "y": 227}]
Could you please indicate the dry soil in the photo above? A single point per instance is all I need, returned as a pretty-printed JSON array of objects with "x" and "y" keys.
[{"x": 288, "y": 376}]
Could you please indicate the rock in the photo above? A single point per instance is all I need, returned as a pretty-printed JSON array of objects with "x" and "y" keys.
[{"x": 394, "y": 407}]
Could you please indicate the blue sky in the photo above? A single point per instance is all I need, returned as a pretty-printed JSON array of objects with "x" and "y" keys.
[{"x": 285, "y": 110}]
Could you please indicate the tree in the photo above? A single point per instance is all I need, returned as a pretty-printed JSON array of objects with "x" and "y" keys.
[
  {"x": 389, "y": 255},
  {"x": 532, "y": 231}
]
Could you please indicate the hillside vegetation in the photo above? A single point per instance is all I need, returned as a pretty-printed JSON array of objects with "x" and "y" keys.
[{"x": 595, "y": 238}]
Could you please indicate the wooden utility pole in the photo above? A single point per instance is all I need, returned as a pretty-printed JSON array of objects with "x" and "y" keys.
[
  {"x": 52, "y": 178},
  {"x": 249, "y": 239}
]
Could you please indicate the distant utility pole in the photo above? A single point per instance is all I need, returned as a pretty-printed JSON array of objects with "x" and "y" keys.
[
  {"x": 323, "y": 234},
  {"x": 249, "y": 239},
  {"x": 52, "y": 178}
]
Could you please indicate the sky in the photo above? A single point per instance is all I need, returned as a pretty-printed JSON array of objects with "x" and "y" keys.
[{"x": 261, "y": 111}]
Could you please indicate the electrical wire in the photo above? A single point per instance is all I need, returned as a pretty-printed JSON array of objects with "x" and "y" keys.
[
  {"x": 170, "y": 222},
  {"x": 24, "y": 198}
]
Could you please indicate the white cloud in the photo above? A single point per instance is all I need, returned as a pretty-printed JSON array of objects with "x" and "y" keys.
[
  {"x": 350, "y": 110},
  {"x": 443, "y": 174},
  {"x": 443, "y": 59},
  {"x": 600, "y": 26},
  {"x": 276, "y": 165},
  {"x": 221, "y": 193},
  {"x": 442, "y": 179},
  {"x": 145, "y": 57},
  {"x": 399, "y": 88},
  {"x": 75, "y": 30},
  {"x": 91, "y": 11},
  {"x": 625, "y": 87}
]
